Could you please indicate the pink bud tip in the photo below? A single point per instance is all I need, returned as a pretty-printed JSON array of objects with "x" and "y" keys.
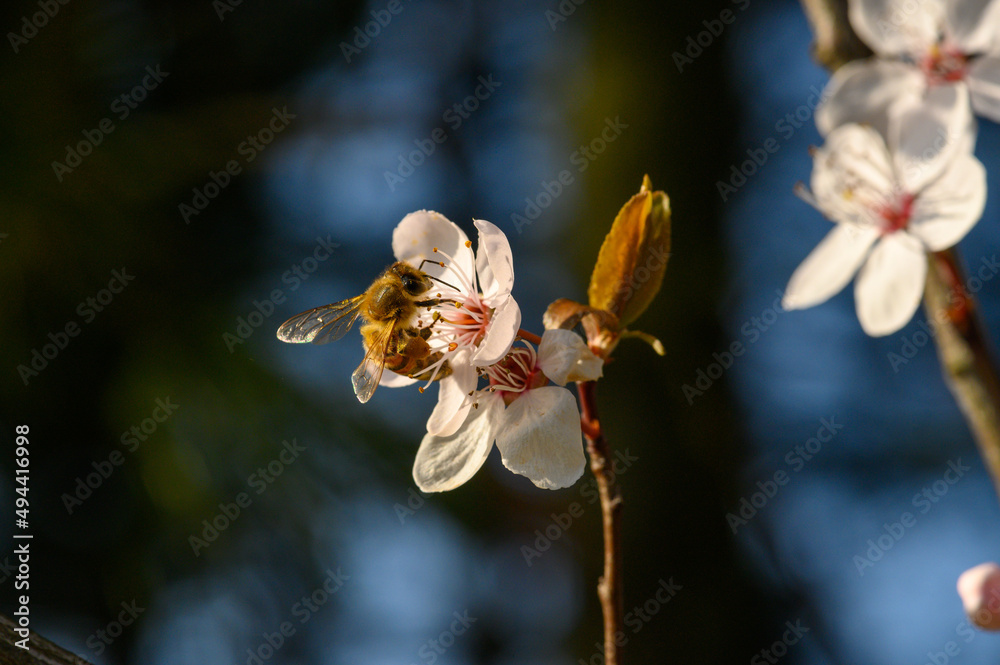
[{"x": 979, "y": 588}]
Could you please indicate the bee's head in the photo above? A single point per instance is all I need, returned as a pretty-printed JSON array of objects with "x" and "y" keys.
[{"x": 415, "y": 282}]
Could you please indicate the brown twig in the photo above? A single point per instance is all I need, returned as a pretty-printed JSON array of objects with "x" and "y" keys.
[
  {"x": 39, "y": 652},
  {"x": 609, "y": 588},
  {"x": 530, "y": 336},
  {"x": 966, "y": 358},
  {"x": 835, "y": 42}
]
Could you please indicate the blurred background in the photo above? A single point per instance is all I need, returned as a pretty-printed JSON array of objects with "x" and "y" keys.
[{"x": 180, "y": 178}]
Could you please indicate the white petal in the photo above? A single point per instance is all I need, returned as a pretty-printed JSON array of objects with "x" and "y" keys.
[
  {"x": 500, "y": 334},
  {"x": 890, "y": 284},
  {"x": 446, "y": 462},
  {"x": 494, "y": 261},
  {"x": 924, "y": 139},
  {"x": 974, "y": 25},
  {"x": 558, "y": 353},
  {"x": 392, "y": 380},
  {"x": 897, "y": 27},
  {"x": 540, "y": 437},
  {"x": 415, "y": 238},
  {"x": 863, "y": 90},
  {"x": 950, "y": 206},
  {"x": 829, "y": 267},
  {"x": 590, "y": 367},
  {"x": 564, "y": 356},
  {"x": 984, "y": 83},
  {"x": 852, "y": 168},
  {"x": 453, "y": 396}
]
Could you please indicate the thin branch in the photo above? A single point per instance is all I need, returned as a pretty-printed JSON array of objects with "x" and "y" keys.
[
  {"x": 530, "y": 336},
  {"x": 835, "y": 42},
  {"x": 610, "y": 588},
  {"x": 39, "y": 652},
  {"x": 966, "y": 359}
]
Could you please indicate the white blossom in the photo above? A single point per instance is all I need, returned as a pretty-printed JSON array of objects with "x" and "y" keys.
[
  {"x": 535, "y": 426},
  {"x": 935, "y": 62},
  {"x": 889, "y": 210}
]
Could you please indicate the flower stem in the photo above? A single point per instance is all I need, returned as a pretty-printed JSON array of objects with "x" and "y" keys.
[
  {"x": 966, "y": 359},
  {"x": 40, "y": 651},
  {"x": 609, "y": 587},
  {"x": 835, "y": 42},
  {"x": 530, "y": 336}
]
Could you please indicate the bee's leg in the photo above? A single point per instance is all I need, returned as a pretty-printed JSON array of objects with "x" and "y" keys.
[
  {"x": 432, "y": 368},
  {"x": 425, "y": 331},
  {"x": 437, "y": 301}
]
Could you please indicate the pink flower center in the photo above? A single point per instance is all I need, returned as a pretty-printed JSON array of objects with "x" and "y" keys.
[
  {"x": 944, "y": 64},
  {"x": 468, "y": 323},
  {"x": 896, "y": 216},
  {"x": 517, "y": 373},
  {"x": 464, "y": 316}
]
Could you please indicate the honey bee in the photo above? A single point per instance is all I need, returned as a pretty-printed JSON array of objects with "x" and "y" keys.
[{"x": 387, "y": 306}]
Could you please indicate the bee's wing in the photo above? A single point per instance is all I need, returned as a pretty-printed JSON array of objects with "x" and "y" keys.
[
  {"x": 322, "y": 324},
  {"x": 368, "y": 374}
]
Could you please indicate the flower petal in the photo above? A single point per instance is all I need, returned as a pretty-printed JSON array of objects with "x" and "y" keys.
[
  {"x": 830, "y": 266},
  {"x": 540, "y": 437},
  {"x": 984, "y": 84},
  {"x": 500, "y": 334},
  {"x": 851, "y": 170},
  {"x": 890, "y": 284},
  {"x": 951, "y": 205},
  {"x": 453, "y": 396},
  {"x": 563, "y": 356},
  {"x": 973, "y": 25},
  {"x": 897, "y": 27},
  {"x": 446, "y": 462},
  {"x": 392, "y": 380},
  {"x": 863, "y": 90},
  {"x": 924, "y": 139},
  {"x": 416, "y": 236},
  {"x": 494, "y": 261}
]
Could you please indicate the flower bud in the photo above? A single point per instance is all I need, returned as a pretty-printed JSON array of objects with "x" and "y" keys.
[{"x": 633, "y": 258}]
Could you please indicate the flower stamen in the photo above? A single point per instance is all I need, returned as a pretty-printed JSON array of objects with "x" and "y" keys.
[
  {"x": 944, "y": 64},
  {"x": 896, "y": 216},
  {"x": 517, "y": 373}
]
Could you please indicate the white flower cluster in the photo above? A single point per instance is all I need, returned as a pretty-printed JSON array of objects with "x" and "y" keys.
[
  {"x": 897, "y": 174},
  {"x": 476, "y": 328}
]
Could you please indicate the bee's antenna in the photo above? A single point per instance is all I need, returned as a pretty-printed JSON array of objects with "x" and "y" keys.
[
  {"x": 443, "y": 282},
  {"x": 437, "y": 263},
  {"x": 421, "y": 266}
]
